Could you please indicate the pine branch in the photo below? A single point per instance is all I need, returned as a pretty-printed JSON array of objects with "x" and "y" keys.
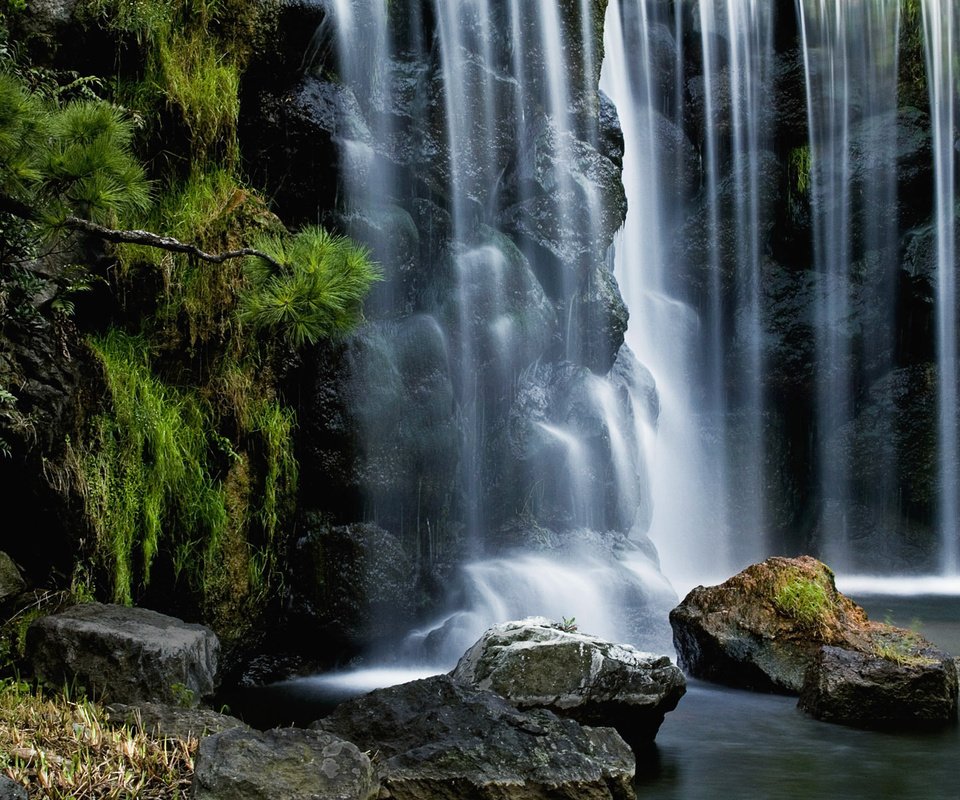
[
  {"x": 17, "y": 208},
  {"x": 148, "y": 239}
]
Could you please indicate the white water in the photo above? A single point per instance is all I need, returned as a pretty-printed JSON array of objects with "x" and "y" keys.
[{"x": 942, "y": 28}]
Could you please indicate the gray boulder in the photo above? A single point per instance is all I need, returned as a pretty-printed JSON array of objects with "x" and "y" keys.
[
  {"x": 288, "y": 763},
  {"x": 11, "y": 790},
  {"x": 536, "y": 663},
  {"x": 126, "y": 655},
  {"x": 171, "y": 722},
  {"x": 917, "y": 687},
  {"x": 439, "y": 739}
]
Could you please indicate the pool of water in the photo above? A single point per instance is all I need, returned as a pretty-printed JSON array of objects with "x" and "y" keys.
[{"x": 724, "y": 743}]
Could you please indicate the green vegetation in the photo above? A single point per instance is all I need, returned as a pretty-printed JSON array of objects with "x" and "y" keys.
[
  {"x": 799, "y": 167},
  {"x": 912, "y": 78},
  {"x": 184, "y": 462},
  {"x": 62, "y": 748},
  {"x": 806, "y": 601},
  {"x": 903, "y": 647},
  {"x": 319, "y": 292}
]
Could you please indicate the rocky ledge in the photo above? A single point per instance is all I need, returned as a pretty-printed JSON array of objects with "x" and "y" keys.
[
  {"x": 782, "y": 626},
  {"x": 536, "y": 663}
]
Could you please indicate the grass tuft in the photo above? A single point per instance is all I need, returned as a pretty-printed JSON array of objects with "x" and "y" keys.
[{"x": 62, "y": 749}]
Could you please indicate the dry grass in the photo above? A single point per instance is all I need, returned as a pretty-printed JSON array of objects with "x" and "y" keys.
[{"x": 63, "y": 749}]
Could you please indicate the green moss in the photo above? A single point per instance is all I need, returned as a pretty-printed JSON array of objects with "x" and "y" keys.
[
  {"x": 144, "y": 467},
  {"x": 806, "y": 601},
  {"x": 799, "y": 167},
  {"x": 912, "y": 68}
]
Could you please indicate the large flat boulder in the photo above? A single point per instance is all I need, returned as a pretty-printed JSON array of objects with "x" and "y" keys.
[
  {"x": 282, "y": 764},
  {"x": 172, "y": 722},
  {"x": 440, "y": 740},
  {"x": 537, "y": 663},
  {"x": 125, "y": 655}
]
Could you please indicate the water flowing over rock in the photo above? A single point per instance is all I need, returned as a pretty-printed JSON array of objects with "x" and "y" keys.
[
  {"x": 438, "y": 739},
  {"x": 126, "y": 655},
  {"x": 288, "y": 763},
  {"x": 536, "y": 663}
]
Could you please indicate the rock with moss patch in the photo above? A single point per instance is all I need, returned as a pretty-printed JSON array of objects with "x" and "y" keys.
[
  {"x": 288, "y": 763},
  {"x": 763, "y": 627},
  {"x": 913, "y": 686},
  {"x": 439, "y": 739},
  {"x": 536, "y": 663},
  {"x": 126, "y": 655},
  {"x": 781, "y": 625}
]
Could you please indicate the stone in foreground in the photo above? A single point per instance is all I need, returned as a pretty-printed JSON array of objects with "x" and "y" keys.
[
  {"x": 284, "y": 763},
  {"x": 869, "y": 691},
  {"x": 171, "y": 722},
  {"x": 11, "y": 790},
  {"x": 125, "y": 655},
  {"x": 439, "y": 740},
  {"x": 536, "y": 663}
]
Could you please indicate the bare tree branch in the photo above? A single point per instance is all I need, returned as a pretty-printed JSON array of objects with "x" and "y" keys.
[{"x": 148, "y": 239}]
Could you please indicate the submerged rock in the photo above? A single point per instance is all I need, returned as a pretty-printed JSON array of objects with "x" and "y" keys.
[
  {"x": 536, "y": 663},
  {"x": 782, "y": 626},
  {"x": 127, "y": 655},
  {"x": 439, "y": 739},
  {"x": 288, "y": 763}
]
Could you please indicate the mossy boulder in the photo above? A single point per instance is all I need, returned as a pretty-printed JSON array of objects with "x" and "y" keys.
[
  {"x": 782, "y": 626},
  {"x": 536, "y": 663},
  {"x": 763, "y": 627}
]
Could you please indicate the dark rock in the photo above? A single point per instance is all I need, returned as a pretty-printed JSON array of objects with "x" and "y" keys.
[
  {"x": 11, "y": 790},
  {"x": 915, "y": 686},
  {"x": 438, "y": 739},
  {"x": 536, "y": 663},
  {"x": 352, "y": 584},
  {"x": 742, "y": 634},
  {"x": 126, "y": 655},
  {"x": 600, "y": 321},
  {"x": 171, "y": 722},
  {"x": 11, "y": 582},
  {"x": 288, "y": 763}
]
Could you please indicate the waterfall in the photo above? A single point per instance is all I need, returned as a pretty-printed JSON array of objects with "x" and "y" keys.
[
  {"x": 941, "y": 22},
  {"x": 480, "y": 125},
  {"x": 850, "y": 56}
]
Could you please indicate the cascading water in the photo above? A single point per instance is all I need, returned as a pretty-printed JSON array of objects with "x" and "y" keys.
[
  {"x": 942, "y": 37},
  {"x": 850, "y": 54},
  {"x": 507, "y": 441},
  {"x": 486, "y": 129}
]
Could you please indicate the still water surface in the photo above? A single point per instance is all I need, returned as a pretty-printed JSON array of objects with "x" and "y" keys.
[{"x": 724, "y": 743}]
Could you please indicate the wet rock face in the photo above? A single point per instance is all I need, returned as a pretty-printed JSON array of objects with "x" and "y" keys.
[
  {"x": 915, "y": 687},
  {"x": 438, "y": 739},
  {"x": 352, "y": 585},
  {"x": 536, "y": 663}
]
